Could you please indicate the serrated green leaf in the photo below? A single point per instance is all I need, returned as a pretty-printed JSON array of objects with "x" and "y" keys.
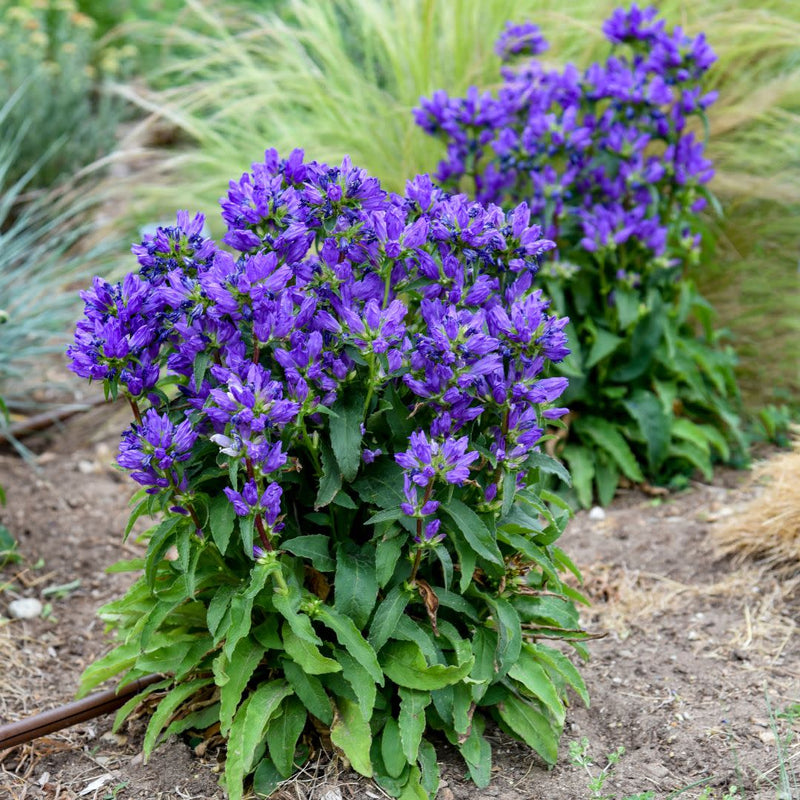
[
  {"x": 283, "y": 732},
  {"x": 426, "y": 758},
  {"x": 351, "y": 734},
  {"x": 557, "y": 663},
  {"x": 535, "y": 679},
  {"x": 411, "y": 720},
  {"x": 609, "y": 438},
  {"x": 351, "y": 639},
  {"x": 653, "y": 423},
  {"x": 413, "y": 790},
  {"x": 310, "y": 690},
  {"x": 387, "y": 554},
  {"x": 314, "y": 547},
  {"x": 331, "y": 481},
  {"x": 166, "y": 708},
  {"x": 531, "y": 726},
  {"x": 218, "y": 608},
  {"x": 306, "y": 654},
  {"x": 484, "y": 648},
  {"x": 627, "y": 303},
  {"x": 548, "y": 465},
  {"x": 199, "y": 720},
  {"x": 477, "y": 753},
  {"x": 118, "y": 660},
  {"x": 386, "y": 616},
  {"x": 221, "y": 516},
  {"x": 381, "y": 485},
  {"x": 405, "y": 664},
  {"x": 392, "y": 749},
  {"x": 361, "y": 681},
  {"x": 345, "y": 431},
  {"x": 299, "y": 621},
  {"x": 126, "y": 709},
  {"x": 232, "y": 676},
  {"x": 469, "y": 525},
  {"x": 356, "y": 584},
  {"x": 509, "y": 632}
]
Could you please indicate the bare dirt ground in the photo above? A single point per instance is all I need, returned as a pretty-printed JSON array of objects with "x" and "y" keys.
[{"x": 696, "y": 654}]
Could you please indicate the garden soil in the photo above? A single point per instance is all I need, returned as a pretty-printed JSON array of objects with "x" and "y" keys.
[{"x": 697, "y": 664}]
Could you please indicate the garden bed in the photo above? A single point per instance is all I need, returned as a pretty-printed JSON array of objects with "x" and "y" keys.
[{"x": 695, "y": 654}]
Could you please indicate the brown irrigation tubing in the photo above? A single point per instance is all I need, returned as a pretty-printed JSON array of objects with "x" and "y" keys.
[{"x": 95, "y": 705}]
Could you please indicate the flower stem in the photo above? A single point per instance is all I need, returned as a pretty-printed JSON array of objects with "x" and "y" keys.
[{"x": 135, "y": 408}]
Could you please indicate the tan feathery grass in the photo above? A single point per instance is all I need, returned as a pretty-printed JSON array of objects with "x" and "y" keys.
[{"x": 767, "y": 529}]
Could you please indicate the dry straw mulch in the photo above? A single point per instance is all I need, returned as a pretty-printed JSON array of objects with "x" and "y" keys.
[{"x": 767, "y": 528}]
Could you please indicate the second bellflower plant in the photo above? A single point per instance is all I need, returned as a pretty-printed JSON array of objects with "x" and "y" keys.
[
  {"x": 611, "y": 164},
  {"x": 338, "y": 412}
]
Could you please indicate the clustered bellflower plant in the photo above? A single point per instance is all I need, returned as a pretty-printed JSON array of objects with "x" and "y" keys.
[
  {"x": 612, "y": 165},
  {"x": 338, "y": 418}
]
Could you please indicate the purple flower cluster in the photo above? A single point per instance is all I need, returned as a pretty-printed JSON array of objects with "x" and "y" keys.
[
  {"x": 335, "y": 289},
  {"x": 606, "y": 157}
]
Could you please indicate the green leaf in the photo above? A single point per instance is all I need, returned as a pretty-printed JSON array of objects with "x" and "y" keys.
[
  {"x": 218, "y": 609},
  {"x": 351, "y": 734},
  {"x": 221, "y": 515},
  {"x": 535, "y": 679},
  {"x": 695, "y": 455},
  {"x": 387, "y": 616},
  {"x": 509, "y": 632},
  {"x": 314, "y": 547},
  {"x": 382, "y": 485},
  {"x": 556, "y": 662},
  {"x": 531, "y": 726},
  {"x": 283, "y": 732},
  {"x": 351, "y": 639},
  {"x": 331, "y": 481},
  {"x": 405, "y": 664},
  {"x": 306, "y": 654},
  {"x": 548, "y": 466},
  {"x": 627, "y": 303},
  {"x": 247, "y": 733},
  {"x": 160, "y": 542},
  {"x": 199, "y": 720},
  {"x": 608, "y": 437},
  {"x": 605, "y": 343},
  {"x": 310, "y": 690},
  {"x": 411, "y": 720},
  {"x": 264, "y": 707},
  {"x": 266, "y": 778},
  {"x": 653, "y": 423},
  {"x": 477, "y": 753},
  {"x": 345, "y": 430},
  {"x": 387, "y": 554},
  {"x": 232, "y": 676},
  {"x": 166, "y": 708},
  {"x": 299, "y": 622},
  {"x": 392, "y": 749},
  {"x": 581, "y": 465},
  {"x": 606, "y": 478},
  {"x": 484, "y": 647},
  {"x": 361, "y": 681},
  {"x": 426, "y": 758},
  {"x": 356, "y": 584},
  {"x": 474, "y": 530},
  {"x": 126, "y": 709},
  {"x": 413, "y": 789}
]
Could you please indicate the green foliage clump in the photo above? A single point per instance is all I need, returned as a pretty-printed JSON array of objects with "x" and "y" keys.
[
  {"x": 614, "y": 173},
  {"x": 70, "y": 119}
]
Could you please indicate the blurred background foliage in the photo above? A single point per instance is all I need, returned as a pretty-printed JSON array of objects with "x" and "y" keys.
[{"x": 142, "y": 101}]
